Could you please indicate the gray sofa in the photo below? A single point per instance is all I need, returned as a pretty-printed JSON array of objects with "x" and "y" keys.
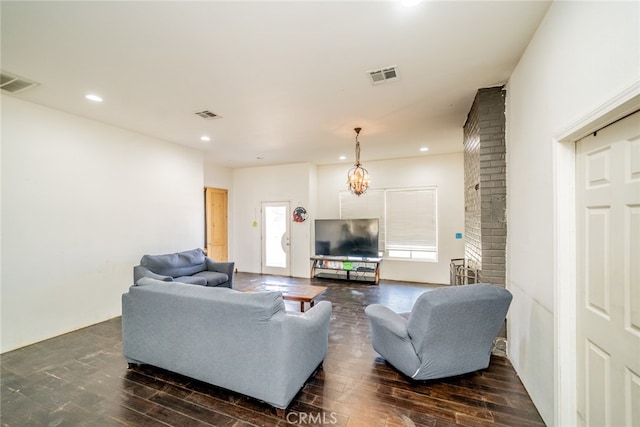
[
  {"x": 449, "y": 331},
  {"x": 192, "y": 267},
  {"x": 241, "y": 341}
]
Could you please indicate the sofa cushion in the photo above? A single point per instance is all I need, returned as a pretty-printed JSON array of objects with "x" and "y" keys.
[
  {"x": 191, "y": 280},
  {"x": 177, "y": 264},
  {"x": 146, "y": 281},
  {"x": 212, "y": 278}
]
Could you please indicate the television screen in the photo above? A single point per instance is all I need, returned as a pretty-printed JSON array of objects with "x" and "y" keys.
[{"x": 347, "y": 237}]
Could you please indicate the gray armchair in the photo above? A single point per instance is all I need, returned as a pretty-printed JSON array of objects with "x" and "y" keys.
[
  {"x": 449, "y": 331},
  {"x": 192, "y": 267}
]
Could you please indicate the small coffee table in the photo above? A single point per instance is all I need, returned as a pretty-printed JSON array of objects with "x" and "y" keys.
[{"x": 290, "y": 292}]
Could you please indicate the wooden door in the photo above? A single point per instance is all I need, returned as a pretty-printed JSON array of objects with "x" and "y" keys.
[
  {"x": 608, "y": 276},
  {"x": 216, "y": 223}
]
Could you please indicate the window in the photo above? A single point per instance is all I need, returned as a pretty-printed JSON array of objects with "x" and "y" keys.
[{"x": 408, "y": 220}]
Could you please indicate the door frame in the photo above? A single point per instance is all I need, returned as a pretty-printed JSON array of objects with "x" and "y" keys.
[
  {"x": 286, "y": 271},
  {"x": 565, "y": 240}
]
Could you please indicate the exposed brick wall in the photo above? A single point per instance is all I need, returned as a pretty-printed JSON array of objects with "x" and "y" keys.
[
  {"x": 472, "y": 209},
  {"x": 485, "y": 185}
]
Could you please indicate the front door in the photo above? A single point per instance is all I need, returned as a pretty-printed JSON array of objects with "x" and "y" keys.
[
  {"x": 608, "y": 275},
  {"x": 275, "y": 238}
]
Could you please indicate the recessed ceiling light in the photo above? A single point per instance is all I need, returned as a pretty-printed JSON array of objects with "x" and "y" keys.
[
  {"x": 423, "y": 149},
  {"x": 205, "y": 138},
  {"x": 93, "y": 97},
  {"x": 410, "y": 3},
  {"x": 342, "y": 157}
]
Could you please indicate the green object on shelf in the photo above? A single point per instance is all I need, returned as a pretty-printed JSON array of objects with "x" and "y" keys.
[{"x": 347, "y": 265}]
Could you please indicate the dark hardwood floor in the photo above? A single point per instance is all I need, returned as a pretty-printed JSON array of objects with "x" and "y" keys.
[{"x": 81, "y": 379}]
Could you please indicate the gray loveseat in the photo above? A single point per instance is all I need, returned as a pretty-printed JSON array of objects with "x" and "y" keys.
[
  {"x": 449, "y": 331},
  {"x": 241, "y": 341},
  {"x": 192, "y": 267}
]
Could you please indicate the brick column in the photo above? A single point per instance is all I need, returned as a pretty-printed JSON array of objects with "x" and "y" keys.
[
  {"x": 485, "y": 185},
  {"x": 472, "y": 207}
]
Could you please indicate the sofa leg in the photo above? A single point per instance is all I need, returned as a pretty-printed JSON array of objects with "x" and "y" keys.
[
  {"x": 133, "y": 365},
  {"x": 280, "y": 412}
]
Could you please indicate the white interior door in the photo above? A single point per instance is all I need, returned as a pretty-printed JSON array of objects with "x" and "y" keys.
[
  {"x": 275, "y": 238},
  {"x": 608, "y": 275}
]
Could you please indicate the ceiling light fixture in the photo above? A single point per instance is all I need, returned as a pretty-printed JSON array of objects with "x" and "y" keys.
[
  {"x": 93, "y": 97},
  {"x": 424, "y": 149},
  {"x": 358, "y": 177},
  {"x": 205, "y": 138},
  {"x": 410, "y": 3}
]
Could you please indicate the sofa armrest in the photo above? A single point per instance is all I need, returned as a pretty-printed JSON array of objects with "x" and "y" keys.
[
  {"x": 316, "y": 317},
  {"x": 390, "y": 338},
  {"x": 301, "y": 346},
  {"x": 307, "y": 333},
  {"x": 381, "y": 316},
  {"x": 139, "y": 272},
  {"x": 222, "y": 267}
]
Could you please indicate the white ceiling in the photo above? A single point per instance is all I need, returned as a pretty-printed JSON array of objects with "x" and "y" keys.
[{"x": 288, "y": 78}]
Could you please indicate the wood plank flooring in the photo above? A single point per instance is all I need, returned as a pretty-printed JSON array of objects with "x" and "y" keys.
[{"x": 81, "y": 379}]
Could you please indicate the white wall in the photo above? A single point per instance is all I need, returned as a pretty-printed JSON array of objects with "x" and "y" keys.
[
  {"x": 252, "y": 186},
  {"x": 583, "y": 54},
  {"x": 81, "y": 203},
  {"x": 444, "y": 171},
  {"x": 216, "y": 176}
]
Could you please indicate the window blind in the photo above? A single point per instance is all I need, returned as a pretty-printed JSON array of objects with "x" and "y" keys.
[
  {"x": 411, "y": 220},
  {"x": 408, "y": 219}
]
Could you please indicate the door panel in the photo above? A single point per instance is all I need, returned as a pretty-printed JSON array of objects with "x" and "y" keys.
[
  {"x": 216, "y": 223},
  {"x": 597, "y": 273},
  {"x": 608, "y": 275},
  {"x": 632, "y": 291},
  {"x": 275, "y": 238}
]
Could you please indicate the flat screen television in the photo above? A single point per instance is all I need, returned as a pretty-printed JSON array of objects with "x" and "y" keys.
[{"x": 347, "y": 237}]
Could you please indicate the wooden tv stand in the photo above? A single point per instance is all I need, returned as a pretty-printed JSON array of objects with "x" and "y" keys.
[{"x": 356, "y": 268}]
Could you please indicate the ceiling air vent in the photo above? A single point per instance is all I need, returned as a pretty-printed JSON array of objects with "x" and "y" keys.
[
  {"x": 384, "y": 75},
  {"x": 14, "y": 84},
  {"x": 206, "y": 114}
]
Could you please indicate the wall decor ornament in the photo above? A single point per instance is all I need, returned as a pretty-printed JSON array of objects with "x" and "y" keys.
[{"x": 299, "y": 214}]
